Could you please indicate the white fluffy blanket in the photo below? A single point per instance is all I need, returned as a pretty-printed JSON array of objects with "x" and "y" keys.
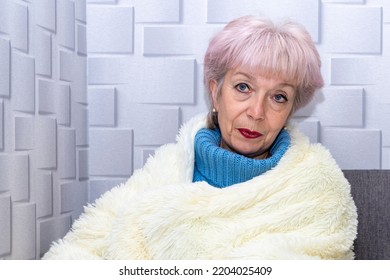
[{"x": 301, "y": 209}]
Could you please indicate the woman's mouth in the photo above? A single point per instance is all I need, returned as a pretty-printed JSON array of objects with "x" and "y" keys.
[{"x": 247, "y": 133}]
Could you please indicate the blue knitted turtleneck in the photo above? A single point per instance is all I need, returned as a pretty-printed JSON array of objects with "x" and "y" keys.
[{"x": 221, "y": 168}]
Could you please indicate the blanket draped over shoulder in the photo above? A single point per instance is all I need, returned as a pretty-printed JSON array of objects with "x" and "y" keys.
[{"x": 301, "y": 209}]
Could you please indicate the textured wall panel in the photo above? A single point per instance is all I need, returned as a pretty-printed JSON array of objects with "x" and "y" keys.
[
  {"x": 358, "y": 70},
  {"x": 66, "y": 66},
  {"x": 23, "y": 82},
  {"x": 362, "y": 24},
  {"x": 43, "y": 194},
  {"x": 102, "y": 106},
  {"x": 83, "y": 165},
  {"x": 81, "y": 42},
  {"x": 46, "y": 142},
  {"x": 5, "y": 222},
  {"x": 99, "y": 187},
  {"x": 111, "y": 152},
  {"x": 354, "y": 148},
  {"x": 4, "y": 16},
  {"x": 47, "y": 95},
  {"x": 311, "y": 128},
  {"x": 24, "y": 133},
  {"x": 66, "y": 153},
  {"x": 103, "y": 1},
  {"x": 63, "y": 105},
  {"x": 344, "y": 1},
  {"x": 79, "y": 79},
  {"x": 178, "y": 40},
  {"x": 115, "y": 35},
  {"x": 19, "y": 26},
  {"x": 81, "y": 11},
  {"x": 306, "y": 12},
  {"x": 346, "y": 106},
  {"x": 4, "y": 67},
  {"x": 66, "y": 23},
  {"x": 52, "y": 229},
  {"x": 73, "y": 197},
  {"x": 1, "y": 125},
  {"x": 45, "y": 11},
  {"x": 153, "y": 11},
  {"x": 80, "y": 122},
  {"x": 23, "y": 231},
  {"x": 14, "y": 175},
  {"x": 123, "y": 70},
  {"x": 42, "y": 53},
  {"x": 153, "y": 125}
]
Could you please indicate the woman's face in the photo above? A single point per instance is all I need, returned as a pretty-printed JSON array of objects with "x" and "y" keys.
[{"x": 252, "y": 110}]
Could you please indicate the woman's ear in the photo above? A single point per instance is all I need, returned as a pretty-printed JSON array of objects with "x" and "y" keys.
[{"x": 213, "y": 86}]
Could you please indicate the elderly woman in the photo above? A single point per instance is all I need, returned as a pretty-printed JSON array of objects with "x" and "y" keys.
[{"x": 240, "y": 183}]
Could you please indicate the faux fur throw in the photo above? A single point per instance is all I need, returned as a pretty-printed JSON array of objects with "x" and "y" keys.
[{"x": 301, "y": 209}]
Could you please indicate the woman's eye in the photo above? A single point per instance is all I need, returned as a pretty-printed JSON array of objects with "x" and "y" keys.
[
  {"x": 280, "y": 98},
  {"x": 242, "y": 87}
]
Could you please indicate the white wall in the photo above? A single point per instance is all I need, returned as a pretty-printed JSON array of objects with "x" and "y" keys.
[
  {"x": 43, "y": 123},
  {"x": 61, "y": 145}
]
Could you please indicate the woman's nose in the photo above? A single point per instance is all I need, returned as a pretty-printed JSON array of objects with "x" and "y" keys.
[{"x": 256, "y": 108}]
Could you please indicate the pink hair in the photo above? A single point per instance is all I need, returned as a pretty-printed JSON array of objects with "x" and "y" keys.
[{"x": 285, "y": 51}]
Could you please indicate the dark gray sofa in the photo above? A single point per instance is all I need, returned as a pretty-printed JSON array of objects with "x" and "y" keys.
[{"x": 371, "y": 192}]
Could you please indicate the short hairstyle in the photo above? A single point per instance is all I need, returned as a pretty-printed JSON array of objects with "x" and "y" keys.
[{"x": 285, "y": 51}]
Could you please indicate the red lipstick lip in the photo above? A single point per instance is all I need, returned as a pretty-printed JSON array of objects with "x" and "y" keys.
[{"x": 247, "y": 133}]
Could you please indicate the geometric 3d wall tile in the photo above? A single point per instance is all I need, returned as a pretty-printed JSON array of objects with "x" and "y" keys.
[
  {"x": 1, "y": 125},
  {"x": 66, "y": 153},
  {"x": 126, "y": 71},
  {"x": 66, "y": 23},
  {"x": 111, "y": 152},
  {"x": 80, "y": 122},
  {"x": 346, "y": 105},
  {"x": 309, "y": 127},
  {"x": 4, "y": 67},
  {"x": 79, "y": 79},
  {"x": 23, "y": 83},
  {"x": 24, "y": 133},
  {"x": 81, "y": 11},
  {"x": 83, "y": 164},
  {"x": 101, "y": 105},
  {"x": 5, "y": 222},
  {"x": 63, "y": 105},
  {"x": 306, "y": 12},
  {"x": 98, "y": 187},
  {"x": 52, "y": 229},
  {"x": 73, "y": 196},
  {"x": 19, "y": 26},
  {"x": 152, "y": 11},
  {"x": 152, "y": 124},
  {"x": 110, "y": 29},
  {"x": 23, "y": 231},
  {"x": 354, "y": 148},
  {"x": 66, "y": 65},
  {"x": 45, "y": 11},
  {"x": 46, "y": 142},
  {"x": 363, "y": 24},
  {"x": 344, "y": 1},
  {"x": 178, "y": 40},
  {"x": 47, "y": 95},
  {"x": 357, "y": 70},
  {"x": 81, "y": 41},
  {"x": 44, "y": 194},
  {"x": 14, "y": 175},
  {"x": 42, "y": 52}
]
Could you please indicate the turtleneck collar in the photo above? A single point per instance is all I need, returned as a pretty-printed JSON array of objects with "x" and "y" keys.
[{"x": 221, "y": 168}]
